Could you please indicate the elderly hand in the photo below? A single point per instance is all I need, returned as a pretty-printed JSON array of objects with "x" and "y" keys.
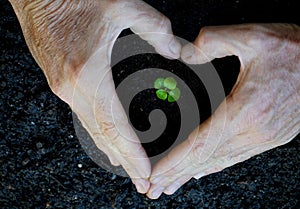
[
  {"x": 262, "y": 111},
  {"x": 72, "y": 42}
]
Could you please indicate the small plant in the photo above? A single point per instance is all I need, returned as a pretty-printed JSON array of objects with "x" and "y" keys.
[{"x": 167, "y": 89}]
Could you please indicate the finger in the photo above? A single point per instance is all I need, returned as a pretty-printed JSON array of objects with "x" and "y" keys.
[
  {"x": 176, "y": 185},
  {"x": 111, "y": 156},
  {"x": 155, "y": 191},
  {"x": 122, "y": 139},
  {"x": 142, "y": 185},
  {"x": 172, "y": 172},
  {"x": 151, "y": 26},
  {"x": 219, "y": 41},
  {"x": 129, "y": 156},
  {"x": 86, "y": 116},
  {"x": 115, "y": 126},
  {"x": 189, "y": 158},
  {"x": 108, "y": 119},
  {"x": 158, "y": 32},
  {"x": 138, "y": 168},
  {"x": 230, "y": 159},
  {"x": 111, "y": 120}
]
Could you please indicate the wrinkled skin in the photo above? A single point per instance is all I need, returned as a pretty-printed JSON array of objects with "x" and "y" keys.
[
  {"x": 72, "y": 40},
  {"x": 262, "y": 111}
]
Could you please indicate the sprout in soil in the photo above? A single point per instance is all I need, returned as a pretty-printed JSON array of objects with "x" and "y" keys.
[{"x": 167, "y": 89}]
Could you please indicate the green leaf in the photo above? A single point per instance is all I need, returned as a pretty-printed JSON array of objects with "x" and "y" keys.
[
  {"x": 170, "y": 83},
  {"x": 159, "y": 83},
  {"x": 171, "y": 99},
  {"x": 174, "y": 95},
  {"x": 161, "y": 94}
]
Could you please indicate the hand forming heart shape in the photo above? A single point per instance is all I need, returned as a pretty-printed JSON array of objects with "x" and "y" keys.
[{"x": 262, "y": 111}]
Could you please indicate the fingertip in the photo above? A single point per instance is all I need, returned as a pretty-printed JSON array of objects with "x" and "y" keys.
[
  {"x": 156, "y": 29},
  {"x": 141, "y": 185},
  {"x": 146, "y": 186},
  {"x": 167, "y": 45},
  {"x": 187, "y": 53},
  {"x": 148, "y": 194},
  {"x": 155, "y": 193},
  {"x": 191, "y": 54},
  {"x": 114, "y": 162},
  {"x": 172, "y": 188},
  {"x": 175, "y": 48}
]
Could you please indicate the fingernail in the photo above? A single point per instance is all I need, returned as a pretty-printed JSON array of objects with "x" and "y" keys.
[
  {"x": 141, "y": 186},
  {"x": 157, "y": 192},
  {"x": 175, "y": 47},
  {"x": 171, "y": 189},
  {"x": 188, "y": 51}
]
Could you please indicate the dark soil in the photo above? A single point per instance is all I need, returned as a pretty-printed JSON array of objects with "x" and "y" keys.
[
  {"x": 42, "y": 164},
  {"x": 146, "y": 101}
]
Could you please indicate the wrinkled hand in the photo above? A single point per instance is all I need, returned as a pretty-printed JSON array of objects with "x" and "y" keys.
[
  {"x": 72, "y": 42},
  {"x": 262, "y": 111}
]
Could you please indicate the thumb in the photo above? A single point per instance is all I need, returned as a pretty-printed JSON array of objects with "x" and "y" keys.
[
  {"x": 219, "y": 41},
  {"x": 151, "y": 26}
]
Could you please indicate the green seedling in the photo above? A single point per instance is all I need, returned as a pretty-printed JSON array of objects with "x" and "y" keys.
[{"x": 167, "y": 89}]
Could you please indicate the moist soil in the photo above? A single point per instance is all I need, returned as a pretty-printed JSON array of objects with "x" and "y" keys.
[{"x": 42, "y": 163}]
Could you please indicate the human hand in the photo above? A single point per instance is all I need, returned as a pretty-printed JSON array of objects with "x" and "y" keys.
[
  {"x": 72, "y": 42},
  {"x": 262, "y": 111}
]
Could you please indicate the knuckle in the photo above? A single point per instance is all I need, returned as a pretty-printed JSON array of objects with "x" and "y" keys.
[
  {"x": 202, "y": 37},
  {"x": 166, "y": 21},
  {"x": 207, "y": 34},
  {"x": 126, "y": 153},
  {"x": 98, "y": 139},
  {"x": 108, "y": 128},
  {"x": 204, "y": 30},
  {"x": 102, "y": 141},
  {"x": 197, "y": 153},
  {"x": 255, "y": 36},
  {"x": 130, "y": 151},
  {"x": 62, "y": 90}
]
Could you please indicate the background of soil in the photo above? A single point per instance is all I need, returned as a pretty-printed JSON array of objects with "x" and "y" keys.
[{"x": 42, "y": 164}]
